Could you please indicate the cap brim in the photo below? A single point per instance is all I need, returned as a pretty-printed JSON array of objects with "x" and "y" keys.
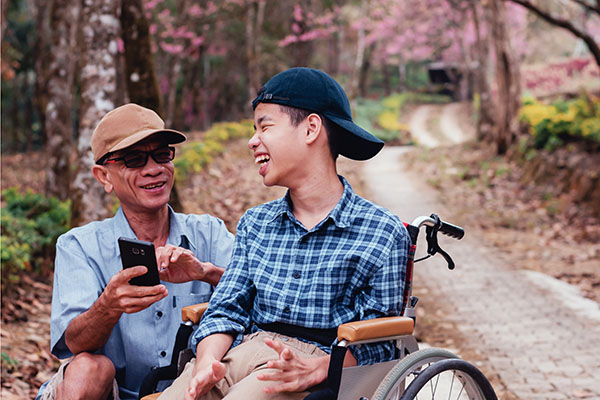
[
  {"x": 169, "y": 135},
  {"x": 358, "y": 144}
]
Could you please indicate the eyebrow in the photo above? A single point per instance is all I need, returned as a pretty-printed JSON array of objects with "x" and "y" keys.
[{"x": 262, "y": 119}]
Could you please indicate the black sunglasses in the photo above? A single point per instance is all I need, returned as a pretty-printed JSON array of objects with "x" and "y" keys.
[{"x": 137, "y": 159}]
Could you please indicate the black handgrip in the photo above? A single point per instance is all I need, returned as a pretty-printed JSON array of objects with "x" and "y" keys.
[{"x": 452, "y": 230}]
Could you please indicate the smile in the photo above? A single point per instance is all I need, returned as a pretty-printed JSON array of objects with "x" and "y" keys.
[
  {"x": 261, "y": 159},
  {"x": 153, "y": 185}
]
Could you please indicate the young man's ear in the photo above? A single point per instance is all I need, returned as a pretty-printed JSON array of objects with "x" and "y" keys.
[
  {"x": 103, "y": 176},
  {"x": 313, "y": 127}
]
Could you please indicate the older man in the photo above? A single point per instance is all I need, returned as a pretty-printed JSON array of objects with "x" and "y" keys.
[{"x": 114, "y": 331}]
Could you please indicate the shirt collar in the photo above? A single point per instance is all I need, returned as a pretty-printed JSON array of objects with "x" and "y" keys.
[
  {"x": 341, "y": 215},
  {"x": 177, "y": 235}
]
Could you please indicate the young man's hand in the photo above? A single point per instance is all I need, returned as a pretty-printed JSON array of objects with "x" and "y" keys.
[
  {"x": 179, "y": 265},
  {"x": 204, "y": 378},
  {"x": 294, "y": 373}
]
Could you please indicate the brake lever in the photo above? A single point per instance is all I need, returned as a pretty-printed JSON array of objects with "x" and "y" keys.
[{"x": 432, "y": 244}]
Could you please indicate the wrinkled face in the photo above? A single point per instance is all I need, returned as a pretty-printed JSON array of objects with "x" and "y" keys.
[
  {"x": 142, "y": 189},
  {"x": 277, "y": 145}
]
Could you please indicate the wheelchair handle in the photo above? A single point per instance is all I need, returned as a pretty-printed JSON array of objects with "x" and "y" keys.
[{"x": 454, "y": 231}]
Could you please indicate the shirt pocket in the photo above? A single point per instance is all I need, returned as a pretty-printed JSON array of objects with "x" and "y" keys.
[{"x": 181, "y": 301}]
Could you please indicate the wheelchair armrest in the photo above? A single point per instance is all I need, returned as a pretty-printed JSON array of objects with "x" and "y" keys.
[
  {"x": 375, "y": 328},
  {"x": 193, "y": 313}
]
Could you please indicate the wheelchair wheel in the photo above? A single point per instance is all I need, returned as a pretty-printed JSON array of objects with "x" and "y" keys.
[
  {"x": 392, "y": 386},
  {"x": 450, "y": 379}
]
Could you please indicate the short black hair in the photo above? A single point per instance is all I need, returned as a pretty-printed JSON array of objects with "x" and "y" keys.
[{"x": 297, "y": 115}]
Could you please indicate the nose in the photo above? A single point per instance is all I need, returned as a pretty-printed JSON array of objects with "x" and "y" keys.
[
  {"x": 254, "y": 141},
  {"x": 152, "y": 167}
]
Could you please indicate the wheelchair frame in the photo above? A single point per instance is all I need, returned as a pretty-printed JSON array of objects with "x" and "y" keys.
[{"x": 399, "y": 379}]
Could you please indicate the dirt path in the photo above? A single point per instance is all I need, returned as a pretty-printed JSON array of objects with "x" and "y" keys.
[{"x": 535, "y": 335}]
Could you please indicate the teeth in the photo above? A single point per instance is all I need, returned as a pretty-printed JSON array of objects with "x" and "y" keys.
[
  {"x": 152, "y": 186},
  {"x": 262, "y": 158}
]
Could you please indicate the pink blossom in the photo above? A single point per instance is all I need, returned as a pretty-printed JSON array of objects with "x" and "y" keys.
[
  {"x": 289, "y": 39},
  {"x": 171, "y": 48},
  {"x": 296, "y": 28},
  {"x": 120, "y": 45},
  {"x": 152, "y": 29},
  {"x": 195, "y": 11},
  {"x": 197, "y": 41},
  {"x": 298, "y": 13},
  {"x": 151, "y": 4}
]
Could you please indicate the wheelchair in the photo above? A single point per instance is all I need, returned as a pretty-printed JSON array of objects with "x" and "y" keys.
[{"x": 430, "y": 373}]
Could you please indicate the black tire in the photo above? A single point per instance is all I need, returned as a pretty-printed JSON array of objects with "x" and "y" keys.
[
  {"x": 393, "y": 383},
  {"x": 462, "y": 381}
]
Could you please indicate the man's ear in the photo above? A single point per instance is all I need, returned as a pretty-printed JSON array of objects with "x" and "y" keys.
[
  {"x": 313, "y": 128},
  {"x": 103, "y": 176}
]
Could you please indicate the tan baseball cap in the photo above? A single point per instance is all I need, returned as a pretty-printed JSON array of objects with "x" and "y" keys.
[{"x": 125, "y": 126}]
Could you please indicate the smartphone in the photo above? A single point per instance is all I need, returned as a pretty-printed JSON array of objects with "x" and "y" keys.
[{"x": 138, "y": 252}]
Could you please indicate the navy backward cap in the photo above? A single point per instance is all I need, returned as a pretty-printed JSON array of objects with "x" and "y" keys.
[{"x": 315, "y": 91}]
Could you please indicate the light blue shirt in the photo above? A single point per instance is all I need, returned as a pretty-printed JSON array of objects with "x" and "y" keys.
[{"x": 88, "y": 256}]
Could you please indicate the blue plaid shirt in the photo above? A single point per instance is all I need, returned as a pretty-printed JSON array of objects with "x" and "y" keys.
[{"x": 351, "y": 266}]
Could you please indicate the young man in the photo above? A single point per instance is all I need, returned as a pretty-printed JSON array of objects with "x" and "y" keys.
[
  {"x": 304, "y": 264},
  {"x": 115, "y": 331}
]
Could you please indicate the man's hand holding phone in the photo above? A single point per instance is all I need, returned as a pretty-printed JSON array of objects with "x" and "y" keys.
[
  {"x": 137, "y": 286},
  {"x": 120, "y": 296}
]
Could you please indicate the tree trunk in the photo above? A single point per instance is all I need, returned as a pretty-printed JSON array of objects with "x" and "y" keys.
[
  {"x": 100, "y": 32},
  {"x": 485, "y": 118},
  {"x": 42, "y": 11},
  {"x": 507, "y": 101},
  {"x": 255, "y": 16},
  {"x": 140, "y": 76},
  {"x": 387, "y": 78},
  {"x": 15, "y": 143},
  {"x": 360, "y": 55},
  {"x": 59, "y": 86},
  {"x": 365, "y": 72}
]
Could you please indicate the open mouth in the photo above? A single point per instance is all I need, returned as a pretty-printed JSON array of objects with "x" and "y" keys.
[
  {"x": 153, "y": 186},
  {"x": 262, "y": 159}
]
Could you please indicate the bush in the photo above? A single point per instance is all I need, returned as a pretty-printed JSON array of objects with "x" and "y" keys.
[
  {"x": 196, "y": 155},
  {"x": 31, "y": 223},
  {"x": 563, "y": 120}
]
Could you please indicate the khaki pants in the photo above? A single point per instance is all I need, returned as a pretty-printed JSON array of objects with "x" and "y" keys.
[{"x": 244, "y": 362}]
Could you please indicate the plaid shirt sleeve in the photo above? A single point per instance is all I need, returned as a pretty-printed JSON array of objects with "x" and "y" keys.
[
  {"x": 381, "y": 297},
  {"x": 229, "y": 307}
]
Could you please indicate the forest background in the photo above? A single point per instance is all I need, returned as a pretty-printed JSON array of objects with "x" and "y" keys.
[{"x": 528, "y": 72}]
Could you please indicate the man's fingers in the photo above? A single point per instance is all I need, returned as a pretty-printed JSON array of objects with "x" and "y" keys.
[
  {"x": 128, "y": 273},
  {"x": 133, "y": 305},
  {"x": 287, "y": 354},
  {"x": 218, "y": 370},
  {"x": 275, "y": 345}
]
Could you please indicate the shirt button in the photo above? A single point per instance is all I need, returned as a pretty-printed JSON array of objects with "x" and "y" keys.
[
  {"x": 286, "y": 310},
  {"x": 296, "y": 275},
  {"x": 163, "y": 353},
  {"x": 159, "y": 314}
]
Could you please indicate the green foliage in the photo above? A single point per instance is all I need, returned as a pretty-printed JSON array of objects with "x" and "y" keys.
[
  {"x": 381, "y": 117},
  {"x": 8, "y": 363},
  {"x": 31, "y": 223},
  {"x": 197, "y": 155},
  {"x": 551, "y": 125}
]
